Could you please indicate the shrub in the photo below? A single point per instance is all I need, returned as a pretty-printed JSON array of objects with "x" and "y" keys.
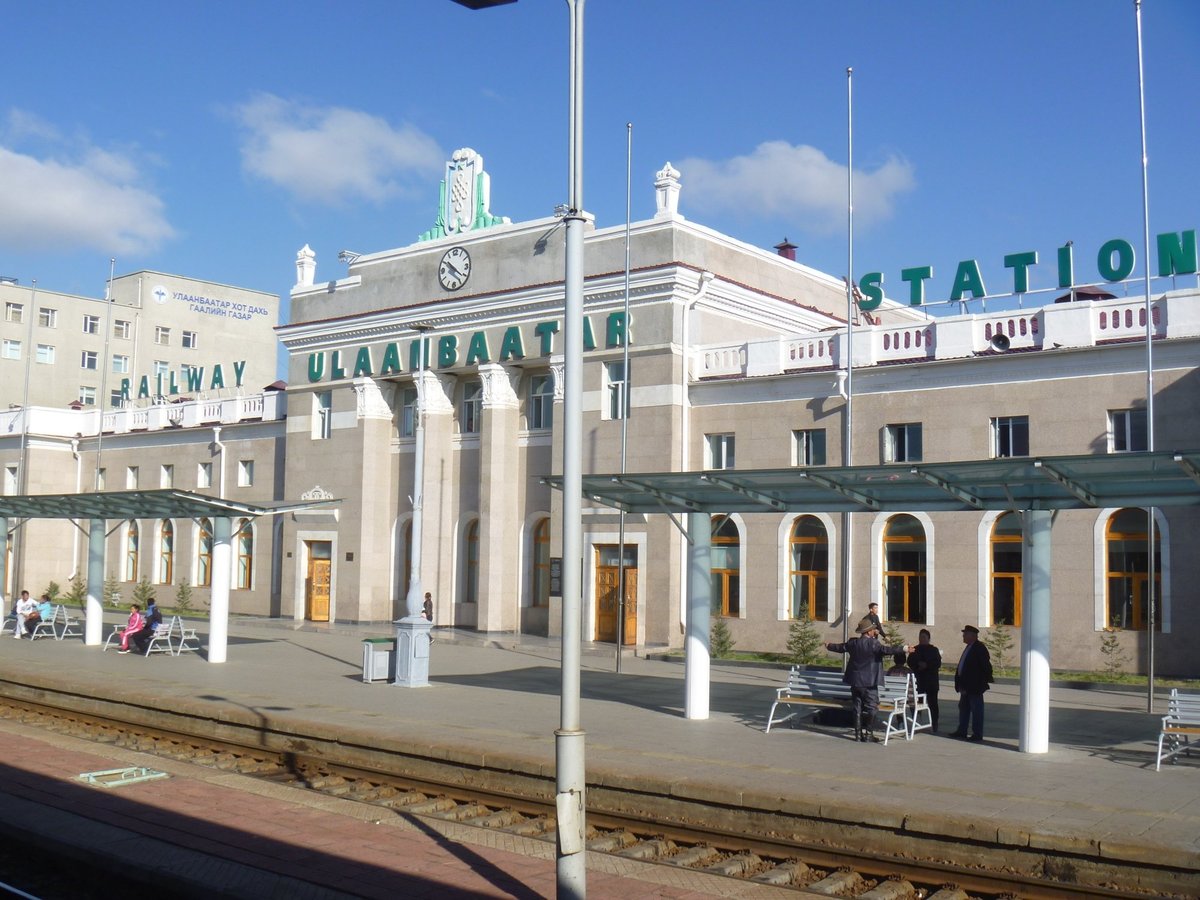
[
  {"x": 892, "y": 635},
  {"x": 77, "y": 595},
  {"x": 1114, "y": 654},
  {"x": 804, "y": 643},
  {"x": 112, "y": 591},
  {"x": 720, "y": 642},
  {"x": 183, "y": 595},
  {"x": 143, "y": 592},
  {"x": 999, "y": 643},
  {"x": 52, "y": 591}
]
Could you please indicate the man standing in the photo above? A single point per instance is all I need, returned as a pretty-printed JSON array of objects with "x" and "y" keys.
[
  {"x": 863, "y": 673},
  {"x": 971, "y": 680},
  {"x": 873, "y": 616},
  {"x": 925, "y": 660}
]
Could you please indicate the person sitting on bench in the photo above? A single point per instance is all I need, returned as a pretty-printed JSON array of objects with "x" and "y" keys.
[
  {"x": 132, "y": 627},
  {"x": 153, "y": 619}
]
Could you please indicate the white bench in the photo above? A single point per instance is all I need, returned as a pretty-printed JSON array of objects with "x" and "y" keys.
[
  {"x": 1181, "y": 722},
  {"x": 826, "y": 688},
  {"x": 45, "y": 627},
  {"x": 183, "y": 637},
  {"x": 58, "y": 626},
  {"x": 10, "y": 624},
  {"x": 160, "y": 640}
]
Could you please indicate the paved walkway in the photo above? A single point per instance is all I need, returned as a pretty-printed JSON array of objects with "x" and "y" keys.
[{"x": 1096, "y": 788}]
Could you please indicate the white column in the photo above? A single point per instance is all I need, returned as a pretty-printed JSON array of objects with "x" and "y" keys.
[
  {"x": 218, "y": 617},
  {"x": 4, "y": 563},
  {"x": 1035, "y": 633},
  {"x": 93, "y": 626},
  {"x": 699, "y": 594}
]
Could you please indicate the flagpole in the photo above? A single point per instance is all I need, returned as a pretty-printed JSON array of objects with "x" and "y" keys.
[{"x": 1151, "y": 566}]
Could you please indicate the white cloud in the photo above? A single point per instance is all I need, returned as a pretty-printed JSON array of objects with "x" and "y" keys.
[
  {"x": 332, "y": 155},
  {"x": 797, "y": 182},
  {"x": 51, "y": 204}
]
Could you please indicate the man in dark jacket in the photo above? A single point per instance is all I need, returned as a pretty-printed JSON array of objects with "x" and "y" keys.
[
  {"x": 971, "y": 680},
  {"x": 864, "y": 672}
]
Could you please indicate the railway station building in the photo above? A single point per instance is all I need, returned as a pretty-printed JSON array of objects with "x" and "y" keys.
[{"x": 737, "y": 359}]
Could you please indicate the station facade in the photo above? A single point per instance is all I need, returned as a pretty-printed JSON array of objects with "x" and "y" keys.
[{"x": 737, "y": 359}]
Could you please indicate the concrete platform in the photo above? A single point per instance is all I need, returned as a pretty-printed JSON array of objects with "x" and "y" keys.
[{"x": 494, "y": 703}]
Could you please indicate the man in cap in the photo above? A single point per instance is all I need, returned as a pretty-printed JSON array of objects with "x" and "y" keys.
[
  {"x": 864, "y": 672},
  {"x": 971, "y": 680}
]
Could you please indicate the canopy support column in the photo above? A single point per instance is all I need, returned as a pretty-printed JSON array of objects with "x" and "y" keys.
[
  {"x": 222, "y": 566},
  {"x": 93, "y": 624},
  {"x": 1035, "y": 633},
  {"x": 699, "y": 599}
]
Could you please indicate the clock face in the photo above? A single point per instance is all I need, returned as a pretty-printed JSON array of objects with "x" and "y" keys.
[{"x": 454, "y": 269}]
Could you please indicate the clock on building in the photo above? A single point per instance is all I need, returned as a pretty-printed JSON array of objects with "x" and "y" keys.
[{"x": 454, "y": 269}]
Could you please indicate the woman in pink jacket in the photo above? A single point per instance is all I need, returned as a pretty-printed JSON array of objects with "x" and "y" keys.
[{"x": 133, "y": 626}]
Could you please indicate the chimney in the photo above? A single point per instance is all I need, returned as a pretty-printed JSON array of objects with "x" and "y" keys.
[{"x": 786, "y": 249}]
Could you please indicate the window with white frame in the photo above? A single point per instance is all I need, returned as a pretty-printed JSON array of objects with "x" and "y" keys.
[
  {"x": 1010, "y": 436},
  {"x": 166, "y": 476},
  {"x": 87, "y": 395},
  {"x": 616, "y": 386},
  {"x": 191, "y": 340},
  {"x": 88, "y": 359},
  {"x": 902, "y": 443},
  {"x": 408, "y": 412},
  {"x": 185, "y": 372},
  {"x": 48, "y": 317},
  {"x": 12, "y": 349},
  {"x": 11, "y": 484},
  {"x": 115, "y": 398},
  {"x": 162, "y": 367},
  {"x": 162, "y": 335},
  {"x": 45, "y": 354},
  {"x": 14, "y": 312},
  {"x": 471, "y": 413},
  {"x": 718, "y": 451},
  {"x": 808, "y": 447},
  {"x": 322, "y": 415},
  {"x": 120, "y": 364},
  {"x": 91, "y": 324},
  {"x": 1127, "y": 430},
  {"x": 122, "y": 328},
  {"x": 131, "y": 478},
  {"x": 245, "y": 472},
  {"x": 204, "y": 475},
  {"x": 541, "y": 402}
]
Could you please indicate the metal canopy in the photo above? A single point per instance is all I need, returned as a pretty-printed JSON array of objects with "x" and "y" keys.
[
  {"x": 161, "y": 504},
  {"x": 1161, "y": 478}
]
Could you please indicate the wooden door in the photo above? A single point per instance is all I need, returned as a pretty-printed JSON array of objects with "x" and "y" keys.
[
  {"x": 608, "y": 594},
  {"x": 316, "y": 584}
]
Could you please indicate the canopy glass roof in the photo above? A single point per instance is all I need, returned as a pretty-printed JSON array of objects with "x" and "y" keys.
[
  {"x": 1163, "y": 478},
  {"x": 163, "y": 504}
]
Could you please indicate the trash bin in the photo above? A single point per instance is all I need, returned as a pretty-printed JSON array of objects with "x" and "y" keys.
[{"x": 377, "y": 659}]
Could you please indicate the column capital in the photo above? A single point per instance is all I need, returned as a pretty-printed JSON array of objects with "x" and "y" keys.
[
  {"x": 499, "y": 386},
  {"x": 374, "y": 398}
]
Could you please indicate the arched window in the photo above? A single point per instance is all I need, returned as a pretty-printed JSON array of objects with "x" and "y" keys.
[
  {"x": 904, "y": 569},
  {"x": 1006, "y": 570},
  {"x": 541, "y": 563},
  {"x": 131, "y": 551},
  {"x": 166, "y": 552},
  {"x": 1128, "y": 564},
  {"x": 471, "y": 567},
  {"x": 726, "y": 567},
  {"x": 245, "y": 555},
  {"x": 809, "y": 569},
  {"x": 204, "y": 550}
]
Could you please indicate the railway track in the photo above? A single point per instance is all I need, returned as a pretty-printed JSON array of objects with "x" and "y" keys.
[{"x": 808, "y": 866}]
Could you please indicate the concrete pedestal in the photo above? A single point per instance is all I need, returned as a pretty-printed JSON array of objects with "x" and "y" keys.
[{"x": 412, "y": 651}]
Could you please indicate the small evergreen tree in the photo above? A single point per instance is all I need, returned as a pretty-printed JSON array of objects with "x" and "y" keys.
[
  {"x": 112, "y": 591},
  {"x": 999, "y": 643},
  {"x": 892, "y": 635},
  {"x": 143, "y": 592},
  {"x": 52, "y": 591},
  {"x": 720, "y": 642},
  {"x": 77, "y": 595},
  {"x": 804, "y": 643},
  {"x": 1113, "y": 653},
  {"x": 183, "y": 596}
]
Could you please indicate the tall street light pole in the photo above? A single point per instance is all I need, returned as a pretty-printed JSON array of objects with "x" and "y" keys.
[{"x": 569, "y": 737}]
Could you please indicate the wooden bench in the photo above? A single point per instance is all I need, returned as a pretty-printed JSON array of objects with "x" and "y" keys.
[
  {"x": 1181, "y": 722},
  {"x": 825, "y": 688}
]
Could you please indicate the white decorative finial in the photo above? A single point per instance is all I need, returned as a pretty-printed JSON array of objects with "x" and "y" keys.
[
  {"x": 666, "y": 192},
  {"x": 306, "y": 267}
]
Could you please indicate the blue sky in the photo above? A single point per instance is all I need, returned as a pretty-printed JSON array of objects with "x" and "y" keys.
[{"x": 214, "y": 139}]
